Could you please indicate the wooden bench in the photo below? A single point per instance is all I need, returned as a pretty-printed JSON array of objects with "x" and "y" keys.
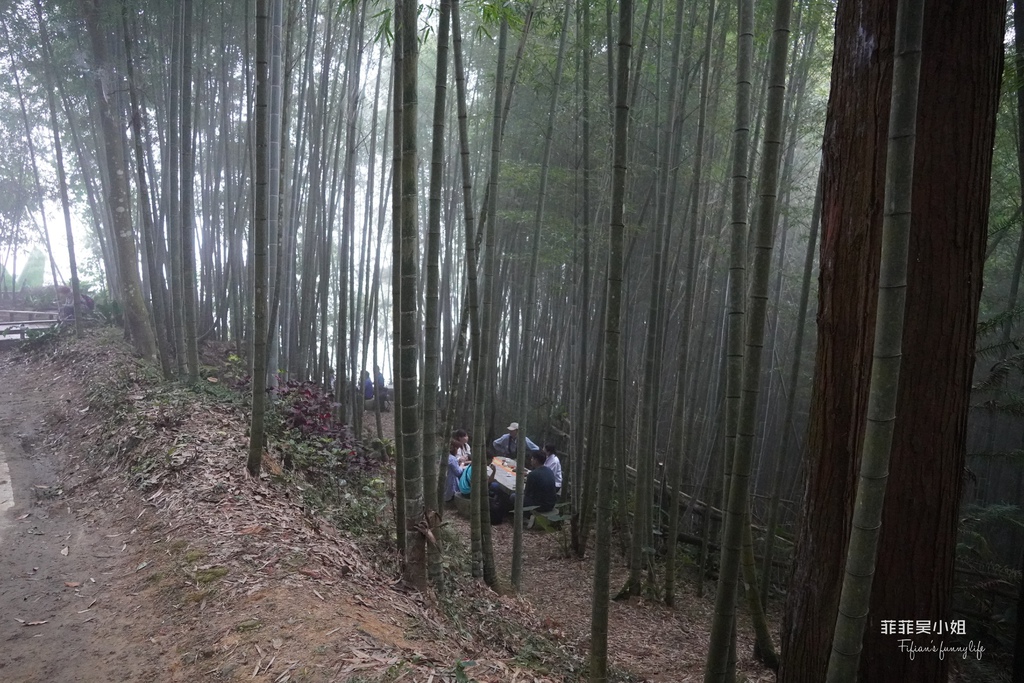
[
  {"x": 462, "y": 506},
  {"x": 553, "y": 519}
]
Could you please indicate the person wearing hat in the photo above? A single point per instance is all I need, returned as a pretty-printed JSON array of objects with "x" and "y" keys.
[{"x": 507, "y": 445}]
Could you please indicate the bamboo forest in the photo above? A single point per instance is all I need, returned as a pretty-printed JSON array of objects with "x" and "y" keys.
[{"x": 720, "y": 297}]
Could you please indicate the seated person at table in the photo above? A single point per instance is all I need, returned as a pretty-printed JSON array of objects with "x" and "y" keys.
[
  {"x": 540, "y": 485},
  {"x": 367, "y": 385},
  {"x": 453, "y": 472},
  {"x": 466, "y": 479},
  {"x": 554, "y": 464},
  {"x": 380, "y": 390},
  {"x": 506, "y": 445},
  {"x": 462, "y": 436}
]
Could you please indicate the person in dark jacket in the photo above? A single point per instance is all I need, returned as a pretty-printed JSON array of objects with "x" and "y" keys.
[
  {"x": 367, "y": 386},
  {"x": 540, "y": 484}
]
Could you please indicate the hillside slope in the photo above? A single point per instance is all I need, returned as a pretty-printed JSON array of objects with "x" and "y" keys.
[{"x": 179, "y": 566}]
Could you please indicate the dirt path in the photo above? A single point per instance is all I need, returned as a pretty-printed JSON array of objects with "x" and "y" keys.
[{"x": 67, "y": 612}]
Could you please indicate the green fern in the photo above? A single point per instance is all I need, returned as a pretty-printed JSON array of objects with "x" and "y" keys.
[
  {"x": 995, "y": 379},
  {"x": 1011, "y": 348},
  {"x": 1008, "y": 405},
  {"x": 997, "y": 321},
  {"x": 997, "y": 512}
]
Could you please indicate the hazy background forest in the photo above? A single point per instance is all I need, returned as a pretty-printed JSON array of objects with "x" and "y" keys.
[{"x": 226, "y": 172}]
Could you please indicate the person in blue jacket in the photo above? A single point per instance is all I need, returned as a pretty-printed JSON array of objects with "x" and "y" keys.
[{"x": 507, "y": 444}]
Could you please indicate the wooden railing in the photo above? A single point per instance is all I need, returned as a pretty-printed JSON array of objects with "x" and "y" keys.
[
  {"x": 8, "y": 316},
  {"x": 15, "y": 325}
]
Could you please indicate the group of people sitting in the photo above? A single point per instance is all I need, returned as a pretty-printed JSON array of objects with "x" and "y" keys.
[
  {"x": 375, "y": 390},
  {"x": 543, "y": 479},
  {"x": 66, "y": 305}
]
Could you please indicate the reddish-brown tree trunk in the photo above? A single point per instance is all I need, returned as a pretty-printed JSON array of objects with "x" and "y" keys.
[{"x": 960, "y": 76}]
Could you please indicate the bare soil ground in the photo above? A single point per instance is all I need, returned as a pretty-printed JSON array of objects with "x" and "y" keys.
[
  {"x": 138, "y": 549},
  {"x": 73, "y": 607}
]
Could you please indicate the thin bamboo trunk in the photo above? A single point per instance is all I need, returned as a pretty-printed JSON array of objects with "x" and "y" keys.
[
  {"x": 531, "y": 296},
  {"x": 479, "y": 436},
  {"x": 396, "y": 279},
  {"x": 188, "y": 242},
  {"x": 261, "y": 211},
  {"x": 61, "y": 174},
  {"x": 683, "y": 443},
  {"x": 582, "y": 500},
  {"x": 610, "y": 417},
  {"x": 431, "y": 442},
  {"x": 718, "y": 668},
  {"x": 274, "y": 179},
  {"x": 855, "y": 598},
  {"x": 485, "y": 385},
  {"x": 415, "y": 571}
]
